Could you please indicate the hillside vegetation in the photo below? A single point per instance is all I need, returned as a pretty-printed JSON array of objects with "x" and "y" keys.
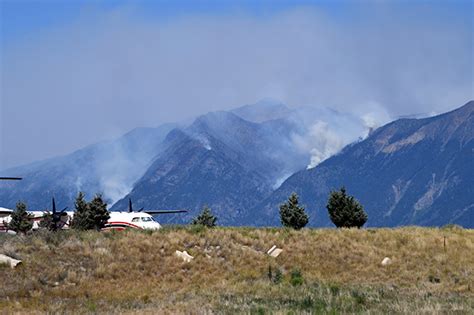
[{"x": 319, "y": 271}]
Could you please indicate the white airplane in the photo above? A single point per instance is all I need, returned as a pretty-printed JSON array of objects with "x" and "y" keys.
[
  {"x": 139, "y": 219},
  {"x": 119, "y": 220},
  {"x": 134, "y": 220}
]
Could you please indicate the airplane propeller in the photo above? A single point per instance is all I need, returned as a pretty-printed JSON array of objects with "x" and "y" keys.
[
  {"x": 11, "y": 178},
  {"x": 130, "y": 207},
  {"x": 56, "y": 215}
]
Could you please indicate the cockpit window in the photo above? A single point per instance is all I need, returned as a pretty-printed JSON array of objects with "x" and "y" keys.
[
  {"x": 147, "y": 219},
  {"x": 135, "y": 219}
]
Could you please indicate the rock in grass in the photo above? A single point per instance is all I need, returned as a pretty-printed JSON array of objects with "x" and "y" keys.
[
  {"x": 184, "y": 256},
  {"x": 4, "y": 259},
  {"x": 274, "y": 251},
  {"x": 386, "y": 261}
]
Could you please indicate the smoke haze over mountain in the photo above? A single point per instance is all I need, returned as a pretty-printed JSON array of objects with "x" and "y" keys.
[{"x": 107, "y": 70}]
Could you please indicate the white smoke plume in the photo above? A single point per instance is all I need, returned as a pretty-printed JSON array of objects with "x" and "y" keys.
[
  {"x": 119, "y": 169},
  {"x": 115, "y": 188},
  {"x": 204, "y": 141},
  {"x": 280, "y": 180},
  {"x": 374, "y": 118},
  {"x": 320, "y": 141}
]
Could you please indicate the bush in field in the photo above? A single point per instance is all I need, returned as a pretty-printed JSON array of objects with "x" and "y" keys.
[
  {"x": 292, "y": 215},
  {"x": 278, "y": 277},
  {"x": 344, "y": 210},
  {"x": 20, "y": 219},
  {"x": 296, "y": 278},
  {"x": 274, "y": 276},
  {"x": 90, "y": 216},
  {"x": 205, "y": 218}
]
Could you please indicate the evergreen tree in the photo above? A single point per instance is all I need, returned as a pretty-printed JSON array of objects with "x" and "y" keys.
[
  {"x": 20, "y": 219},
  {"x": 205, "y": 218},
  {"x": 90, "y": 216},
  {"x": 98, "y": 211},
  {"x": 81, "y": 215},
  {"x": 344, "y": 210},
  {"x": 292, "y": 215}
]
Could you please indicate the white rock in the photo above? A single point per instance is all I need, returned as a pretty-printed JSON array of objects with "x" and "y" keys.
[
  {"x": 274, "y": 251},
  {"x": 386, "y": 261},
  {"x": 271, "y": 249},
  {"x": 184, "y": 255},
  {"x": 4, "y": 259}
]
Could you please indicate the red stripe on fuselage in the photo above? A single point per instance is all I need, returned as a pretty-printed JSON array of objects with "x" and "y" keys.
[
  {"x": 113, "y": 228},
  {"x": 124, "y": 223}
]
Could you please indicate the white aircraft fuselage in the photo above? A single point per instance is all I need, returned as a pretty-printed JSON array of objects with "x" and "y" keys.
[
  {"x": 117, "y": 220},
  {"x": 135, "y": 220}
]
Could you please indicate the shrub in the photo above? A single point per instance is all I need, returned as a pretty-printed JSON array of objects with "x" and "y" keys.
[
  {"x": 292, "y": 215},
  {"x": 20, "y": 219},
  {"x": 359, "y": 296},
  {"x": 205, "y": 218},
  {"x": 344, "y": 210},
  {"x": 334, "y": 288},
  {"x": 278, "y": 277},
  {"x": 296, "y": 277},
  {"x": 275, "y": 277}
]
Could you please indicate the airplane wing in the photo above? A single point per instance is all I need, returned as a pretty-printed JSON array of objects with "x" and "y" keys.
[
  {"x": 43, "y": 214},
  {"x": 164, "y": 211},
  {"x": 5, "y": 211}
]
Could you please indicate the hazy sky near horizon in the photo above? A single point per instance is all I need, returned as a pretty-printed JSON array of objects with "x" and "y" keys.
[{"x": 77, "y": 72}]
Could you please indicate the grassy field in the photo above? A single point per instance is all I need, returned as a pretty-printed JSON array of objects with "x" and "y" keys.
[{"x": 320, "y": 271}]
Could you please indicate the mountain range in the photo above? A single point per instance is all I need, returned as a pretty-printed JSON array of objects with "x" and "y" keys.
[
  {"x": 244, "y": 162},
  {"x": 410, "y": 171},
  {"x": 109, "y": 167}
]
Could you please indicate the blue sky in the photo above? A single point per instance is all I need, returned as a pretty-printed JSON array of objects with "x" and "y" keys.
[
  {"x": 21, "y": 18},
  {"x": 122, "y": 64}
]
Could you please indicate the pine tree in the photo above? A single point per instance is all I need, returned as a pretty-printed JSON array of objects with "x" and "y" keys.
[
  {"x": 292, "y": 215},
  {"x": 90, "y": 216},
  {"x": 344, "y": 210},
  {"x": 205, "y": 218},
  {"x": 81, "y": 217},
  {"x": 21, "y": 219},
  {"x": 99, "y": 213}
]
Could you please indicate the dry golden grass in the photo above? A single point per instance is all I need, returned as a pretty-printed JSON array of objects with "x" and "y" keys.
[{"x": 137, "y": 272}]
